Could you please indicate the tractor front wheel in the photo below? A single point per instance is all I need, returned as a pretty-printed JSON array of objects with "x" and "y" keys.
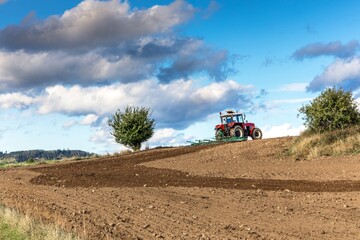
[
  {"x": 256, "y": 134},
  {"x": 219, "y": 134},
  {"x": 237, "y": 131}
]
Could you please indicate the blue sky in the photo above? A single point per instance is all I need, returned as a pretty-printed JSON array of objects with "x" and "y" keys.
[{"x": 66, "y": 66}]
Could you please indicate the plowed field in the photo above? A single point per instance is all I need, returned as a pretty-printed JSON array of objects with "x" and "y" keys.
[{"x": 245, "y": 190}]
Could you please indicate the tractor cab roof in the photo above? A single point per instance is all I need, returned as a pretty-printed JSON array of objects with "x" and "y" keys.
[{"x": 230, "y": 113}]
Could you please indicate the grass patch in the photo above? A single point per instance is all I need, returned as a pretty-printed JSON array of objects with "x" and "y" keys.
[
  {"x": 8, "y": 232},
  {"x": 23, "y": 164},
  {"x": 13, "y": 163},
  {"x": 335, "y": 143},
  {"x": 15, "y": 226}
]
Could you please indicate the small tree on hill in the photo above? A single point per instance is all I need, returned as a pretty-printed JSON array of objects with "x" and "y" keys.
[
  {"x": 132, "y": 127},
  {"x": 332, "y": 109}
]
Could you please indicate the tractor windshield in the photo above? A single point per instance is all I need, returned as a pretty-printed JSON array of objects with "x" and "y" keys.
[
  {"x": 227, "y": 119},
  {"x": 239, "y": 118}
]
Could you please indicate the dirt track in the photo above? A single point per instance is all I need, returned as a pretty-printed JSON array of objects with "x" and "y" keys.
[{"x": 231, "y": 191}]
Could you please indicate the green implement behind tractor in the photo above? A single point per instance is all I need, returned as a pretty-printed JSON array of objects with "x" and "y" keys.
[{"x": 215, "y": 141}]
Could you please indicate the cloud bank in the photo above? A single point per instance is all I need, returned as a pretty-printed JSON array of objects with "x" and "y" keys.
[
  {"x": 105, "y": 42},
  {"x": 336, "y": 49},
  {"x": 172, "y": 108}
]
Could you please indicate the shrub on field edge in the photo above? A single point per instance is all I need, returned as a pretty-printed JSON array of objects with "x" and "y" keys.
[{"x": 339, "y": 142}]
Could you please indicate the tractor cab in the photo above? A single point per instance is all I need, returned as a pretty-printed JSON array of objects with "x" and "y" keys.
[{"x": 231, "y": 116}]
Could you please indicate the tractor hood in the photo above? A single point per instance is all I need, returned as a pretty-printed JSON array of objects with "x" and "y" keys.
[
  {"x": 251, "y": 125},
  {"x": 219, "y": 126}
]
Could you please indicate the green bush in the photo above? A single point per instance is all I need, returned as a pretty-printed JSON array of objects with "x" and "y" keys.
[
  {"x": 333, "y": 109},
  {"x": 132, "y": 127}
]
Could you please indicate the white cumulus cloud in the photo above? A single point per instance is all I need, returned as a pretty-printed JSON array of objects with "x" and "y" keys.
[
  {"x": 342, "y": 72},
  {"x": 168, "y": 137},
  {"x": 15, "y": 100},
  {"x": 282, "y": 130},
  {"x": 89, "y": 119}
]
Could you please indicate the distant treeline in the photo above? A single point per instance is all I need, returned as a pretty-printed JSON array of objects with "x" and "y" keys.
[{"x": 22, "y": 156}]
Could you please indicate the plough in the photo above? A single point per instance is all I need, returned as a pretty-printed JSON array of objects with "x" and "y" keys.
[{"x": 216, "y": 141}]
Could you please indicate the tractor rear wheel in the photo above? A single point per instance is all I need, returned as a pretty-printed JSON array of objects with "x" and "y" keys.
[
  {"x": 237, "y": 131},
  {"x": 219, "y": 134},
  {"x": 256, "y": 134}
]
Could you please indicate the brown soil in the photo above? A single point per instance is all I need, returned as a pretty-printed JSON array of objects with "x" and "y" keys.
[{"x": 246, "y": 190}]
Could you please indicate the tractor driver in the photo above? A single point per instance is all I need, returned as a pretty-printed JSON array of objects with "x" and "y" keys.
[{"x": 229, "y": 119}]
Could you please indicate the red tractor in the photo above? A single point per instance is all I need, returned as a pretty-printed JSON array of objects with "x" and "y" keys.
[{"x": 233, "y": 124}]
